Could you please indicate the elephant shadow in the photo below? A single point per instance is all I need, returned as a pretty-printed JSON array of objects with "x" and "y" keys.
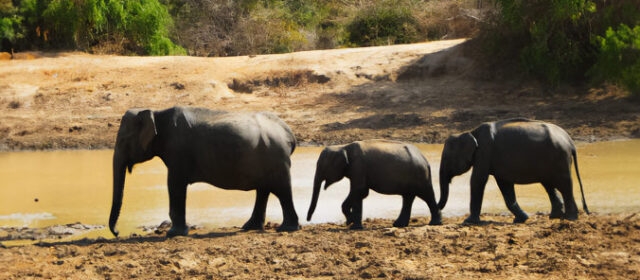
[
  {"x": 485, "y": 223},
  {"x": 134, "y": 240},
  {"x": 375, "y": 228}
]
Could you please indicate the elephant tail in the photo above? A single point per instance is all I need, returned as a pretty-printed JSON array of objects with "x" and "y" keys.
[{"x": 575, "y": 163}]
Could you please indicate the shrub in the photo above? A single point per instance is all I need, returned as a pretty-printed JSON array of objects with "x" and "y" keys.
[
  {"x": 560, "y": 40},
  {"x": 619, "y": 57},
  {"x": 143, "y": 24},
  {"x": 61, "y": 21},
  {"x": 383, "y": 25},
  {"x": 550, "y": 38},
  {"x": 147, "y": 25}
]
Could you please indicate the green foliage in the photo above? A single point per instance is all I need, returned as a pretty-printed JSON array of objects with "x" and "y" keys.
[
  {"x": 550, "y": 37},
  {"x": 221, "y": 27},
  {"x": 383, "y": 25},
  {"x": 147, "y": 24},
  {"x": 10, "y": 24},
  {"x": 143, "y": 24},
  {"x": 61, "y": 20},
  {"x": 619, "y": 58},
  {"x": 560, "y": 40}
]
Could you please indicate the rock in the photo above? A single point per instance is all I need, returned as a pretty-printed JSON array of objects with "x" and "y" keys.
[{"x": 178, "y": 86}]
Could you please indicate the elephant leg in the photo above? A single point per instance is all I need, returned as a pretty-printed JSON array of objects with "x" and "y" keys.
[
  {"x": 346, "y": 209},
  {"x": 565, "y": 186},
  {"x": 256, "y": 222},
  {"x": 509, "y": 195},
  {"x": 478, "y": 183},
  {"x": 405, "y": 213},
  {"x": 283, "y": 192},
  {"x": 177, "y": 201},
  {"x": 356, "y": 207},
  {"x": 429, "y": 197},
  {"x": 556, "y": 204}
]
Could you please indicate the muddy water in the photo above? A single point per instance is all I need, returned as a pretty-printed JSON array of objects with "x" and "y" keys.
[{"x": 75, "y": 186}]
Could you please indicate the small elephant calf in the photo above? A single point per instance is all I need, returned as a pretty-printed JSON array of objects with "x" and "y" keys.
[{"x": 387, "y": 167}]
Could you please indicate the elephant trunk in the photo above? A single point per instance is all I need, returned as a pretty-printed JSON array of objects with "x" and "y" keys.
[
  {"x": 119, "y": 169},
  {"x": 445, "y": 179},
  {"x": 317, "y": 181}
]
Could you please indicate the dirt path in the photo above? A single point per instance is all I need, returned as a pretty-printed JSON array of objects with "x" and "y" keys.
[
  {"x": 595, "y": 247},
  {"x": 404, "y": 92}
]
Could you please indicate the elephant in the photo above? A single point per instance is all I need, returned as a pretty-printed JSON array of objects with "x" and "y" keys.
[
  {"x": 231, "y": 150},
  {"x": 387, "y": 167},
  {"x": 514, "y": 151}
]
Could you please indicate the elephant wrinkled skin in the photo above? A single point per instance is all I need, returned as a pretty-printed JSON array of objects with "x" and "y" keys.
[
  {"x": 514, "y": 151},
  {"x": 387, "y": 167},
  {"x": 231, "y": 150}
]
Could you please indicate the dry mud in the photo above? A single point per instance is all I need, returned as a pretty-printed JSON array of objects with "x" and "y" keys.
[
  {"x": 419, "y": 93},
  {"x": 597, "y": 246}
]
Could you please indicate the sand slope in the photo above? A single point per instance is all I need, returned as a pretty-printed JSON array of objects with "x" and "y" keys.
[{"x": 407, "y": 92}]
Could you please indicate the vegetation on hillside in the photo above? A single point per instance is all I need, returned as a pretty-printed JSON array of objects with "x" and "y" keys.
[
  {"x": 568, "y": 40},
  {"x": 224, "y": 27},
  {"x": 137, "y": 26},
  {"x": 557, "y": 41}
]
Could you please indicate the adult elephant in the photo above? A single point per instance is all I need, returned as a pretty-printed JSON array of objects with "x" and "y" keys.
[
  {"x": 514, "y": 151},
  {"x": 387, "y": 167},
  {"x": 231, "y": 150}
]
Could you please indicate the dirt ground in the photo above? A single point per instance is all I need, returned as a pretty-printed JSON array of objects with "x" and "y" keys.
[
  {"x": 414, "y": 92},
  {"x": 595, "y": 247}
]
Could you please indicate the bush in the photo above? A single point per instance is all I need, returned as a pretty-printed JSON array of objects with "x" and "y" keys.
[
  {"x": 619, "y": 58},
  {"x": 142, "y": 24},
  {"x": 560, "y": 40},
  {"x": 550, "y": 38},
  {"x": 61, "y": 21},
  {"x": 225, "y": 27},
  {"x": 383, "y": 25}
]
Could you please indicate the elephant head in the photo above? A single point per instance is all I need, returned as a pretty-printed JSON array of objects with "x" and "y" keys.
[
  {"x": 137, "y": 131},
  {"x": 331, "y": 167},
  {"x": 457, "y": 158}
]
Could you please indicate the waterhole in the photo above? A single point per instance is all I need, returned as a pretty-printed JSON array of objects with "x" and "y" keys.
[{"x": 39, "y": 189}]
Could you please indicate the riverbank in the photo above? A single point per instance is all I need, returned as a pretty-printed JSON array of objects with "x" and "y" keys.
[
  {"x": 598, "y": 246},
  {"x": 418, "y": 93}
]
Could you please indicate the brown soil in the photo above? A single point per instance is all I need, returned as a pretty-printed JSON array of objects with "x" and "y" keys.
[
  {"x": 595, "y": 247},
  {"x": 404, "y": 92}
]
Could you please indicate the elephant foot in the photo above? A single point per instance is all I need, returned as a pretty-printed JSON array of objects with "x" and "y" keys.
[
  {"x": 520, "y": 218},
  {"x": 349, "y": 221},
  {"x": 472, "y": 220},
  {"x": 399, "y": 223},
  {"x": 558, "y": 214},
  {"x": 178, "y": 231},
  {"x": 356, "y": 226},
  {"x": 253, "y": 225},
  {"x": 436, "y": 219},
  {"x": 288, "y": 228},
  {"x": 571, "y": 216}
]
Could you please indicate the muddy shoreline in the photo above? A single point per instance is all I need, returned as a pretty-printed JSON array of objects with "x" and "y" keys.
[{"x": 597, "y": 246}]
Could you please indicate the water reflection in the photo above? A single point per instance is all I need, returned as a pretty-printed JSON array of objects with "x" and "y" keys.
[{"x": 75, "y": 186}]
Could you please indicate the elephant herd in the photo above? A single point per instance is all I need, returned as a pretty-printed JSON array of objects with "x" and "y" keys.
[{"x": 251, "y": 151}]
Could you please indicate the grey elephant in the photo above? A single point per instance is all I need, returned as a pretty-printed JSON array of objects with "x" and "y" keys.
[
  {"x": 231, "y": 150},
  {"x": 387, "y": 167},
  {"x": 514, "y": 151}
]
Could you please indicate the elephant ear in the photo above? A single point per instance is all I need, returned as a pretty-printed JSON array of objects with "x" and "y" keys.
[
  {"x": 468, "y": 146},
  {"x": 148, "y": 129}
]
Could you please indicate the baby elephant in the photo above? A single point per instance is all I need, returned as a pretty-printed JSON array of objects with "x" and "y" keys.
[{"x": 387, "y": 167}]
